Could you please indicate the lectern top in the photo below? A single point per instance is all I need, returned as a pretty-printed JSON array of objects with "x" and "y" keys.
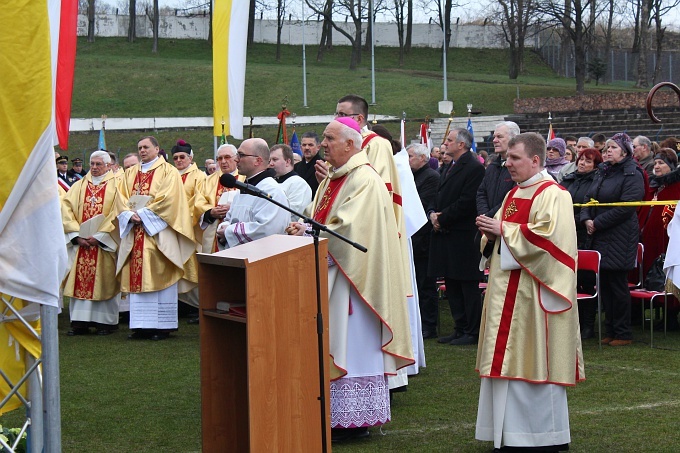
[{"x": 251, "y": 252}]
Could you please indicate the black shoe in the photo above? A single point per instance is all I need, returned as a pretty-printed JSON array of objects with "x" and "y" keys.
[
  {"x": 140, "y": 335},
  {"x": 195, "y": 320},
  {"x": 449, "y": 338},
  {"x": 427, "y": 334},
  {"x": 160, "y": 336},
  {"x": 464, "y": 340},
  {"x": 587, "y": 333},
  {"x": 343, "y": 434},
  {"x": 78, "y": 331},
  {"x": 103, "y": 332}
]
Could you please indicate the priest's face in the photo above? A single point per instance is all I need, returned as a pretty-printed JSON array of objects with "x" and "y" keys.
[
  {"x": 336, "y": 148},
  {"x": 181, "y": 160},
  {"x": 147, "y": 150},
  {"x": 520, "y": 165},
  {"x": 97, "y": 166},
  {"x": 226, "y": 159}
]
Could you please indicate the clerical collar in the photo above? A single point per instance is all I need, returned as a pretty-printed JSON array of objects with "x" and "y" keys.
[
  {"x": 185, "y": 170},
  {"x": 147, "y": 166},
  {"x": 255, "y": 179},
  {"x": 365, "y": 129},
  {"x": 282, "y": 178},
  {"x": 540, "y": 175},
  {"x": 96, "y": 180}
]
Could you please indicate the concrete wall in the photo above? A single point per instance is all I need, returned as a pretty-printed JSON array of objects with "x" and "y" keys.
[
  {"x": 424, "y": 35},
  {"x": 593, "y": 102}
]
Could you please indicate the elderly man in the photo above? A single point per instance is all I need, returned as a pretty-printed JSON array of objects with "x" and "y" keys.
[
  {"x": 216, "y": 205},
  {"x": 369, "y": 326},
  {"x": 529, "y": 346},
  {"x": 130, "y": 160},
  {"x": 91, "y": 284},
  {"x": 210, "y": 166},
  {"x": 310, "y": 152},
  {"x": 497, "y": 181},
  {"x": 250, "y": 217},
  {"x": 156, "y": 241},
  {"x": 642, "y": 151},
  {"x": 453, "y": 252},
  {"x": 297, "y": 190},
  {"x": 427, "y": 182}
]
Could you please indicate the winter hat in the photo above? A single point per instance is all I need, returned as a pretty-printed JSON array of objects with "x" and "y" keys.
[
  {"x": 625, "y": 143},
  {"x": 559, "y": 145}
]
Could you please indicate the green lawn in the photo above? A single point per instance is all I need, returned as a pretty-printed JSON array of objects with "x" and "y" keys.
[{"x": 124, "y": 396}]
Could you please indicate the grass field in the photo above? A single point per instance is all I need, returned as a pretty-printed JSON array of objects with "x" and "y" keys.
[
  {"x": 119, "y": 79},
  {"x": 123, "y": 396}
]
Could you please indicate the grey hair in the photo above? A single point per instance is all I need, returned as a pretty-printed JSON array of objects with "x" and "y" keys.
[
  {"x": 644, "y": 141},
  {"x": 463, "y": 136},
  {"x": 419, "y": 149},
  {"x": 511, "y": 126},
  {"x": 103, "y": 154},
  {"x": 228, "y": 146},
  {"x": 588, "y": 140}
]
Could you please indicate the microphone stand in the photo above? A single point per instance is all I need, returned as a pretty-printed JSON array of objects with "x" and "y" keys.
[{"x": 316, "y": 230}]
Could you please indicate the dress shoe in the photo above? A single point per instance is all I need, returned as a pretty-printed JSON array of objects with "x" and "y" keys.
[
  {"x": 587, "y": 333},
  {"x": 78, "y": 331},
  {"x": 103, "y": 332},
  {"x": 606, "y": 340},
  {"x": 620, "y": 342},
  {"x": 427, "y": 334},
  {"x": 160, "y": 336},
  {"x": 139, "y": 335},
  {"x": 449, "y": 338},
  {"x": 343, "y": 434},
  {"x": 464, "y": 340}
]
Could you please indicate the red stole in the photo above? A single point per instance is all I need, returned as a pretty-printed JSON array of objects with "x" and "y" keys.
[
  {"x": 324, "y": 207},
  {"x": 86, "y": 261},
  {"x": 141, "y": 186}
]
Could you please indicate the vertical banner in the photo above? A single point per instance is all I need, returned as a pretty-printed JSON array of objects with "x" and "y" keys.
[
  {"x": 230, "y": 34},
  {"x": 66, "y": 64},
  {"x": 32, "y": 255}
]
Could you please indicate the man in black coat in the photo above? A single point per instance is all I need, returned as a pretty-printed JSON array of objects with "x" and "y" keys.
[
  {"x": 497, "y": 181},
  {"x": 453, "y": 251},
  {"x": 427, "y": 182},
  {"x": 310, "y": 145}
]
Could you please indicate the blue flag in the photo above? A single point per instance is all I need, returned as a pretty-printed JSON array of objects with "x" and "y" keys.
[
  {"x": 469, "y": 128},
  {"x": 295, "y": 144},
  {"x": 102, "y": 140}
]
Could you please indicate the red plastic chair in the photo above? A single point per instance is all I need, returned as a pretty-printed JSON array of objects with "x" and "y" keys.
[
  {"x": 655, "y": 299},
  {"x": 635, "y": 277},
  {"x": 589, "y": 260}
]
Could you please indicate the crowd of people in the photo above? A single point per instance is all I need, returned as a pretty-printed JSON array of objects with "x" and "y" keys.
[{"x": 512, "y": 220}]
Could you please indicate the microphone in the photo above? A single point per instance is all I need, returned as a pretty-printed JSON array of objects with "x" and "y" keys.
[{"x": 228, "y": 180}]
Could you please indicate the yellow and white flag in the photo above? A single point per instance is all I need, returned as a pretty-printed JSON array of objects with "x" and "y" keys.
[
  {"x": 32, "y": 248},
  {"x": 230, "y": 34}
]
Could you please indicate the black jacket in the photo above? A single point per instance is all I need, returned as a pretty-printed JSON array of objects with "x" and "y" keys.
[
  {"x": 616, "y": 228},
  {"x": 578, "y": 184},
  {"x": 427, "y": 182},
  {"x": 495, "y": 185},
  {"x": 453, "y": 251},
  {"x": 307, "y": 172}
]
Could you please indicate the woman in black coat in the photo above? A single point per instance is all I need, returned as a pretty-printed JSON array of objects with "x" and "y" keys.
[
  {"x": 577, "y": 184},
  {"x": 613, "y": 231}
]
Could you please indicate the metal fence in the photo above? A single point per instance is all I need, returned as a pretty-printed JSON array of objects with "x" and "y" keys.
[{"x": 621, "y": 64}]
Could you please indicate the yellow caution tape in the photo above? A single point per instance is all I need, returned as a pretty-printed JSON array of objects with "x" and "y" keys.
[{"x": 594, "y": 202}]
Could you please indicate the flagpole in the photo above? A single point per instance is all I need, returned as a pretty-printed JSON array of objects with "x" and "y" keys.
[
  {"x": 372, "y": 19},
  {"x": 304, "y": 60}
]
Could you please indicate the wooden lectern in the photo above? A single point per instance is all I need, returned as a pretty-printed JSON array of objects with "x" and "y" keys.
[{"x": 260, "y": 373}]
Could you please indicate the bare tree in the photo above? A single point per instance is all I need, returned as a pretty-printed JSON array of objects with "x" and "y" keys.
[
  {"x": 326, "y": 41},
  {"x": 350, "y": 9},
  {"x": 398, "y": 13},
  {"x": 280, "y": 17},
  {"x": 90, "y": 20},
  {"x": 642, "y": 80},
  {"x": 132, "y": 26},
  {"x": 409, "y": 27},
  {"x": 154, "y": 18},
  {"x": 517, "y": 18},
  {"x": 659, "y": 9},
  {"x": 573, "y": 23}
]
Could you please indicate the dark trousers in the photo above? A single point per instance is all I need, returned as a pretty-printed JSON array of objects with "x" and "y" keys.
[
  {"x": 616, "y": 304},
  {"x": 465, "y": 301},
  {"x": 587, "y": 309},
  {"x": 427, "y": 294}
]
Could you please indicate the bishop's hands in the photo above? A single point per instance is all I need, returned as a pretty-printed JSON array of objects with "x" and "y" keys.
[
  {"x": 320, "y": 170},
  {"x": 296, "y": 229},
  {"x": 87, "y": 242},
  {"x": 489, "y": 226},
  {"x": 220, "y": 211}
]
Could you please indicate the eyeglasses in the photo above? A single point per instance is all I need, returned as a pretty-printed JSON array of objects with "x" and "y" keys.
[
  {"x": 179, "y": 157},
  {"x": 242, "y": 155},
  {"x": 343, "y": 115},
  {"x": 221, "y": 158}
]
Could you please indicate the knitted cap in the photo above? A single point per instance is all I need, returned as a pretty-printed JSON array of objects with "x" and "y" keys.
[{"x": 625, "y": 143}]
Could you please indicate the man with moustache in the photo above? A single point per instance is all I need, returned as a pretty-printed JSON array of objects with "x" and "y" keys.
[{"x": 310, "y": 156}]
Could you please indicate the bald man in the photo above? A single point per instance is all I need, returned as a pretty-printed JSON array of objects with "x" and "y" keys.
[{"x": 250, "y": 218}]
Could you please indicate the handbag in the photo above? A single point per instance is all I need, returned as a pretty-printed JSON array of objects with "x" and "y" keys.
[{"x": 655, "y": 280}]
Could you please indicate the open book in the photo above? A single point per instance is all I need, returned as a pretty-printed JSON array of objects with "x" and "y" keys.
[
  {"x": 89, "y": 227},
  {"x": 227, "y": 197},
  {"x": 137, "y": 202}
]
